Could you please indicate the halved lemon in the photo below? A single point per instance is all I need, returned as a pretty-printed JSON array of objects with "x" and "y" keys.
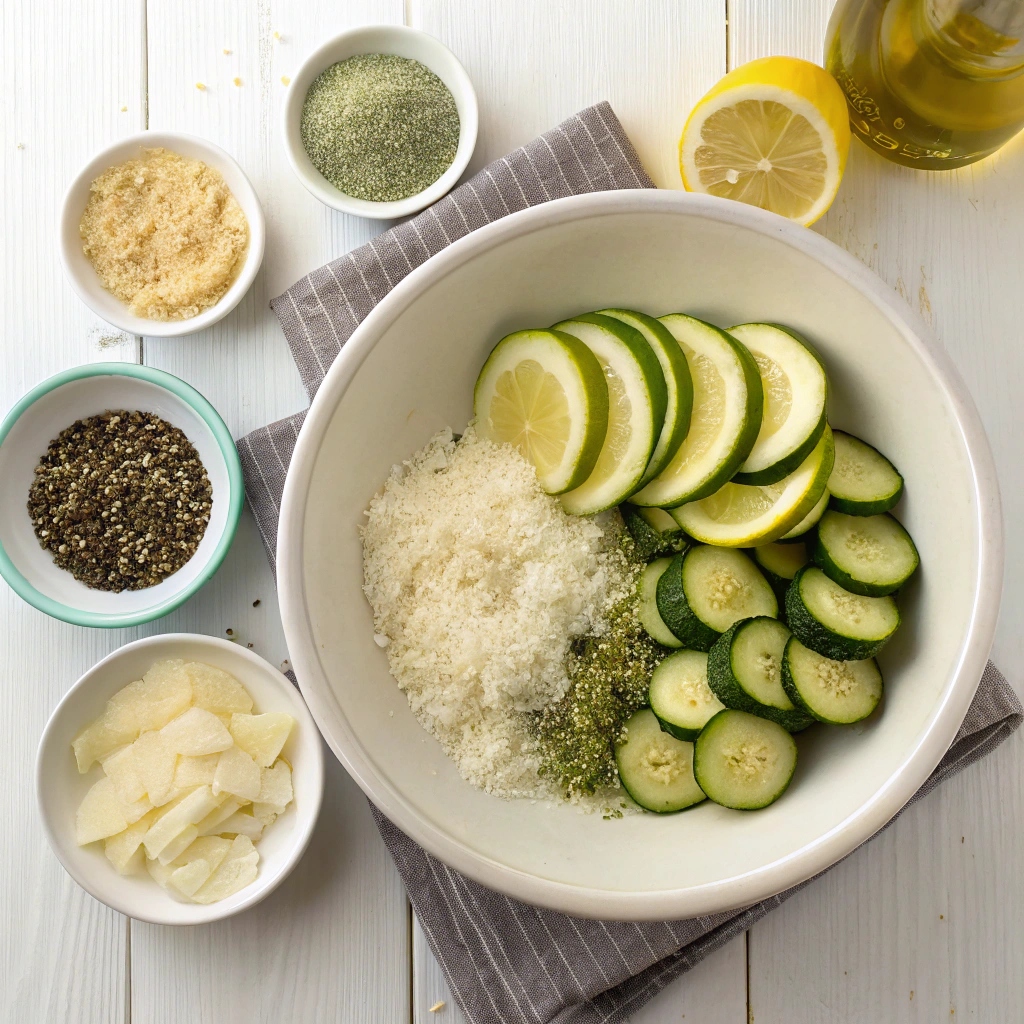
[
  {"x": 745, "y": 515},
  {"x": 544, "y": 392},
  {"x": 773, "y": 133}
]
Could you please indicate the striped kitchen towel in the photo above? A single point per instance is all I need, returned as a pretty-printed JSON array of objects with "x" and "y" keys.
[{"x": 506, "y": 961}]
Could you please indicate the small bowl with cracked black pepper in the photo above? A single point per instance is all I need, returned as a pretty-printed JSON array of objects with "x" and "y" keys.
[
  {"x": 380, "y": 121},
  {"x": 122, "y": 492}
]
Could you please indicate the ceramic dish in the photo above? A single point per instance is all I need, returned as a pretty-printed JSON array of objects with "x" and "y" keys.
[
  {"x": 402, "y": 42},
  {"x": 83, "y": 277},
  {"x": 409, "y": 370},
  {"x": 39, "y": 417},
  {"x": 60, "y": 788}
]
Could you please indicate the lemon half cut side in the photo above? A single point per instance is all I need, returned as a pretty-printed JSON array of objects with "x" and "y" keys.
[{"x": 773, "y": 133}]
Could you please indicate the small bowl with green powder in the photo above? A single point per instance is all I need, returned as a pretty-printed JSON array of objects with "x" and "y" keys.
[{"x": 380, "y": 121}]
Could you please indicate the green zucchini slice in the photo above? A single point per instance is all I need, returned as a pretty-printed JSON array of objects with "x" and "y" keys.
[
  {"x": 863, "y": 481},
  {"x": 654, "y": 532},
  {"x": 650, "y": 619},
  {"x": 678, "y": 384},
  {"x": 869, "y": 555},
  {"x": 795, "y": 395},
  {"x": 800, "y": 531},
  {"x": 835, "y": 623},
  {"x": 837, "y": 692},
  {"x": 780, "y": 563},
  {"x": 742, "y": 761},
  {"x": 745, "y": 672},
  {"x": 656, "y": 769},
  {"x": 679, "y": 694},
  {"x": 706, "y": 589}
]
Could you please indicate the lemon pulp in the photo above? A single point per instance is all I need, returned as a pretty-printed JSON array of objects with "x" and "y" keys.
[
  {"x": 530, "y": 410},
  {"x": 762, "y": 153}
]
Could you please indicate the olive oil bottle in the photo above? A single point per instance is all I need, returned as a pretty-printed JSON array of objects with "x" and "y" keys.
[{"x": 932, "y": 84}]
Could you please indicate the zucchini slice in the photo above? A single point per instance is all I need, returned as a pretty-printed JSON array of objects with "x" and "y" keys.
[
  {"x": 869, "y": 555},
  {"x": 705, "y": 590},
  {"x": 679, "y": 694},
  {"x": 656, "y": 769},
  {"x": 678, "y": 384},
  {"x": 653, "y": 535},
  {"x": 837, "y": 692},
  {"x": 745, "y": 672},
  {"x": 808, "y": 523},
  {"x": 742, "y": 761},
  {"x": 648, "y": 614},
  {"x": 636, "y": 411},
  {"x": 835, "y": 623},
  {"x": 795, "y": 395},
  {"x": 863, "y": 482},
  {"x": 726, "y": 417},
  {"x": 744, "y": 515},
  {"x": 780, "y": 563}
]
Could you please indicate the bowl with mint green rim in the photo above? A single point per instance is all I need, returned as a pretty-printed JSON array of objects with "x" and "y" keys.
[{"x": 38, "y": 418}]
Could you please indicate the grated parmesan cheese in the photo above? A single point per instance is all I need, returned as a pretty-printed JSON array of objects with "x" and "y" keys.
[{"x": 478, "y": 583}]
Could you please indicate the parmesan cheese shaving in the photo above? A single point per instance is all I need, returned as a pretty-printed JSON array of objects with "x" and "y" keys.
[{"x": 479, "y": 582}]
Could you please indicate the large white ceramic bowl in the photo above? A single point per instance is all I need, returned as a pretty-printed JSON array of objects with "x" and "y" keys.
[
  {"x": 60, "y": 788},
  {"x": 409, "y": 370}
]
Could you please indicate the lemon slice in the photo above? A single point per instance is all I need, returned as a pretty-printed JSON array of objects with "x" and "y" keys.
[
  {"x": 773, "y": 133},
  {"x": 745, "y": 515},
  {"x": 637, "y": 399},
  {"x": 726, "y": 417},
  {"x": 544, "y": 392}
]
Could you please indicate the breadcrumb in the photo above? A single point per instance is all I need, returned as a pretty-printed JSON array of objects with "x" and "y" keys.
[{"x": 164, "y": 234}]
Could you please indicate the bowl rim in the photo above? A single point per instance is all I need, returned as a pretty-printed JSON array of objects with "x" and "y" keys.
[
  {"x": 333, "y": 197},
  {"x": 919, "y": 760},
  {"x": 207, "y": 913},
  {"x": 236, "y": 493},
  {"x": 71, "y": 213}
]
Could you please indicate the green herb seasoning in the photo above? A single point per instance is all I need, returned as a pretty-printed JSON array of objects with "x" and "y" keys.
[
  {"x": 380, "y": 127},
  {"x": 122, "y": 500},
  {"x": 608, "y": 680}
]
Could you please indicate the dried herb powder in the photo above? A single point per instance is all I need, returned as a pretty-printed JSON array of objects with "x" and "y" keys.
[
  {"x": 380, "y": 127},
  {"x": 608, "y": 680},
  {"x": 121, "y": 500}
]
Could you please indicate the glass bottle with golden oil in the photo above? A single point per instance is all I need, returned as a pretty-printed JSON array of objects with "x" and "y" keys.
[{"x": 930, "y": 83}]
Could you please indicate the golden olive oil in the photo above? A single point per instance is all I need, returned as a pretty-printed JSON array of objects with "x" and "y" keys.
[{"x": 930, "y": 83}]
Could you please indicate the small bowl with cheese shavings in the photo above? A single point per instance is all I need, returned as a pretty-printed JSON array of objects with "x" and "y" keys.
[{"x": 180, "y": 779}]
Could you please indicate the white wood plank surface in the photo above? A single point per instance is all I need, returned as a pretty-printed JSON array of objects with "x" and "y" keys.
[
  {"x": 923, "y": 924},
  {"x": 333, "y": 942},
  {"x": 65, "y": 80}
]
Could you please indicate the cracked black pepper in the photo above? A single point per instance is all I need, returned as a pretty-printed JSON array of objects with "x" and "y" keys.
[
  {"x": 379, "y": 127},
  {"x": 121, "y": 500}
]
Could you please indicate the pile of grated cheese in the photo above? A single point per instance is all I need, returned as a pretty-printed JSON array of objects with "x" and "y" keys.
[{"x": 478, "y": 583}]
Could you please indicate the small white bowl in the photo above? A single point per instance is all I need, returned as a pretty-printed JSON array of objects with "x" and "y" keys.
[
  {"x": 399, "y": 41},
  {"x": 84, "y": 278},
  {"x": 39, "y": 417},
  {"x": 60, "y": 788}
]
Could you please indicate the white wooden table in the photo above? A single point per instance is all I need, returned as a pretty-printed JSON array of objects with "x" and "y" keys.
[{"x": 923, "y": 925}]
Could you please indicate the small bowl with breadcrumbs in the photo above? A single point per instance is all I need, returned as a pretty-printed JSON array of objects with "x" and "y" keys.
[
  {"x": 122, "y": 491},
  {"x": 161, "y": 234}
]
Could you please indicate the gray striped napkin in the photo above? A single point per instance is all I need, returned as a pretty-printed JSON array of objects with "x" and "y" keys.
[{"x": 505, "y": 961}]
